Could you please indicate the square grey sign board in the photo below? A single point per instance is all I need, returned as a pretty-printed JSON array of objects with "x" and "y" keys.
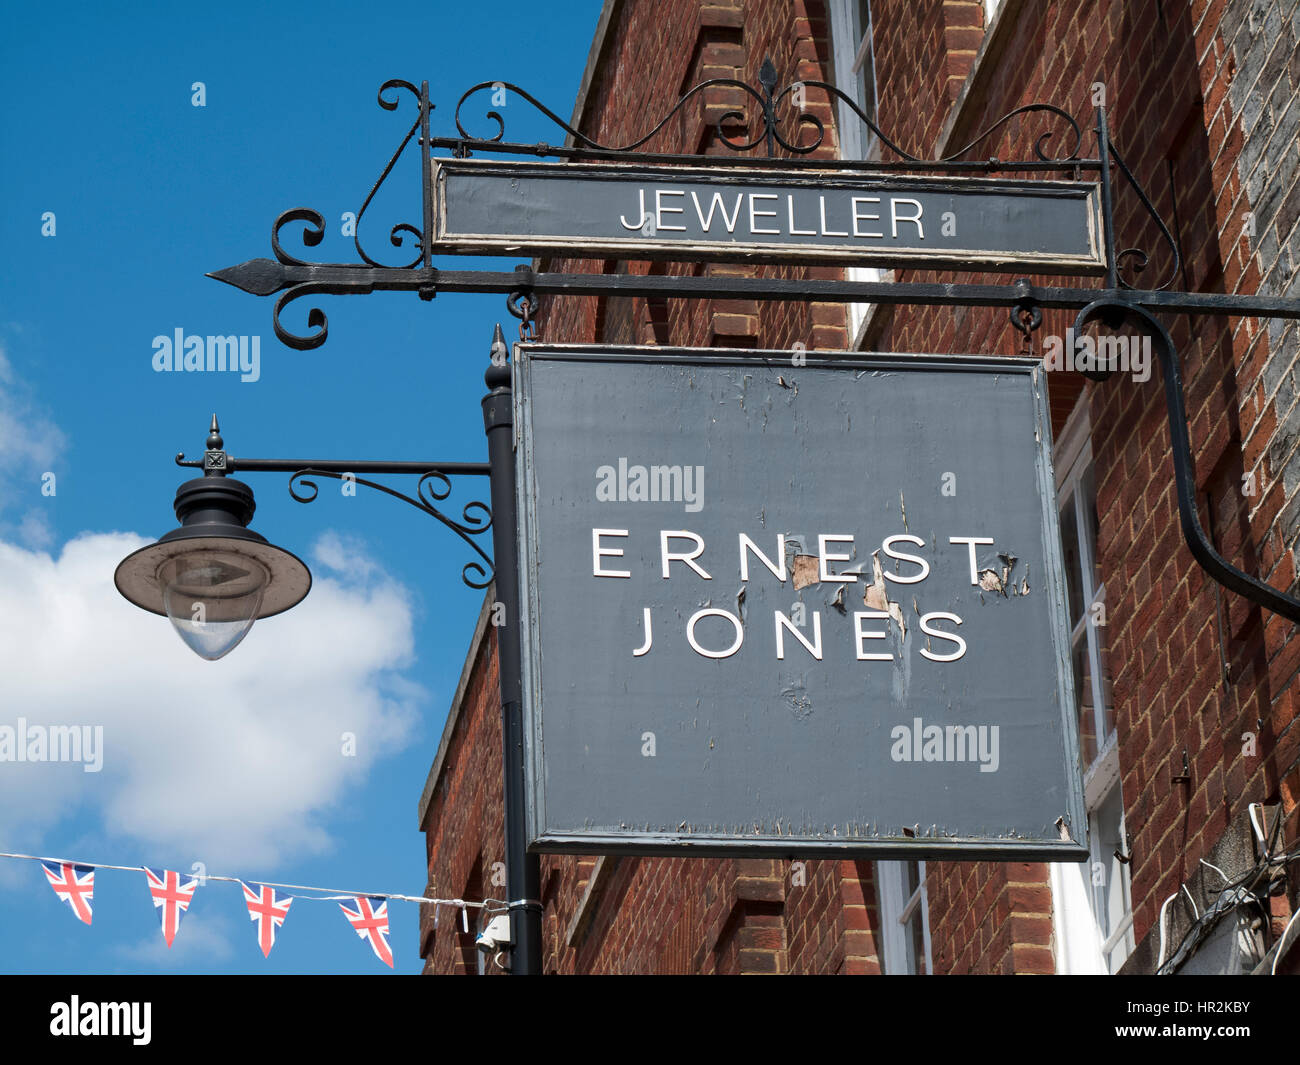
[{"x": 793, "y": 604}]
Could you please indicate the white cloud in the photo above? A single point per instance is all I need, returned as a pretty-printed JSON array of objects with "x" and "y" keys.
[
  {"x": 234, "y": 763},
  {"x": 30, "y": 445},
  {"x": 27, "y": 437},
  {"x": 198, "y": 943}
]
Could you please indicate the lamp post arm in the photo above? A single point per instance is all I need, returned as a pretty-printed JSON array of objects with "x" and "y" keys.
[
  {"x": 238, "y": 465},
  {"x": 433, "y": 488}
]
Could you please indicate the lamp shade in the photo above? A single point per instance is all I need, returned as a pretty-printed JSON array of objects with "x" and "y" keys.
[{"x": 213, "y": 577}]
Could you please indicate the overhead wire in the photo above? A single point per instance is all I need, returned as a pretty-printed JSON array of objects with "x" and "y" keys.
[
  {"x": 323, "y": 894},
  {"x": 1233, "y": 895}
]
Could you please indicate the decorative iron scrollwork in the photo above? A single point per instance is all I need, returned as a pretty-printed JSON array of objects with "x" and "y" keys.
[
  {"x": 395, "y": 234},
  {"x": 768, "y": 101},
  {"x": 294, "y": 277},
  {"x": 582, "y": 139},
  {"x": 1136, "y": 258},
  {"x": 314, "y": 230},
  {"x": 434, "y": 487}
]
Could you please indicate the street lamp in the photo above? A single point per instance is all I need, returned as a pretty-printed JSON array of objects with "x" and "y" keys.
[
  {"x": 216, "y": 563},
  {"x": 213, "y": 576}
]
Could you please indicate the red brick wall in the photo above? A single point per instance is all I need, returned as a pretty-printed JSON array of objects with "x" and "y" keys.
[
  {"x": 678, "y": 915},
  {"x": 1164, "y": 68},
  {"x": 1168, "y": 119},
  {"x": 463, "y": 825},
  {"x": 1248, "y": 57}
]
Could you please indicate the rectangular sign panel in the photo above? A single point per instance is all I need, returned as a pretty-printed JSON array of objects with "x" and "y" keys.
[
  {"x": 748, "y": 215},
  {"x": 793, "y": 604}
]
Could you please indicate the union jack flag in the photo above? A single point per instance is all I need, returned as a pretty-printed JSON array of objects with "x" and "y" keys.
[
  {"x": 172, "y": 895},
  {"x": 370, "y": 921},
  {"x": 74, "y": 884},
  {"x": 268, "y": 908}
]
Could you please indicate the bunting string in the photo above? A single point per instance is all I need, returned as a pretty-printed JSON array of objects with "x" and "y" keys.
[
  {"x": 268, "y": 902},
  {"x": 336, "y": 894}
]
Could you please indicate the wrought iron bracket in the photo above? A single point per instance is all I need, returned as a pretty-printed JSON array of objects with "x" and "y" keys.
[
  {"x": 434, "y": 486},
  {"x": 1180, "y": 445},
  {"x": 1115, "y": 302},
  {"x": 263, "y": 277}
]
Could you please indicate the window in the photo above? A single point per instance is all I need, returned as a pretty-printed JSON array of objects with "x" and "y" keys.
[
  {"x": 1092, "y": 906},
  {"x": 855, "y": 75},
  {"x": 904, "y": 917}
]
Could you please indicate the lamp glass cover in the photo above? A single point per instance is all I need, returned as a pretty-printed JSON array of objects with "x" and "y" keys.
[{"x": 212, "y": 598}]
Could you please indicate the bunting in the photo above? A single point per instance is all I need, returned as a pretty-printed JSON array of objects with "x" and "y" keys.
[
  {"x": 172, "y": 894},
  {"x": 74, "y": 884},
  {"x": 268, "y": 909},
  {"x": 370, "y": 921}
]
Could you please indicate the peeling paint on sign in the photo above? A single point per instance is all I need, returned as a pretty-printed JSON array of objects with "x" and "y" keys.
[{"x": 806, "y": 571}]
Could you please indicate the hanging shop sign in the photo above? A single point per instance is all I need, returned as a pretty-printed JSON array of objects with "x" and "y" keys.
[
  {"x": 787, "y": 604},
  {"x": 751, "y": 215}
]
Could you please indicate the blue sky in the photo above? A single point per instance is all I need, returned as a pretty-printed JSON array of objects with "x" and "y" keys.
[{"x": 236, "y": 764}]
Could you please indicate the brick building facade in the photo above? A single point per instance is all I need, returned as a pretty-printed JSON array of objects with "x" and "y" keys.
[{"x": 1204, "y": 105}]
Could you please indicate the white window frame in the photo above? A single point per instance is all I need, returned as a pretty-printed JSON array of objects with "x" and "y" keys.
[
  {"x": 851, "y": 44},
  {"x": 897, "y": 913},
  {"x": 1080, "y": 947}
]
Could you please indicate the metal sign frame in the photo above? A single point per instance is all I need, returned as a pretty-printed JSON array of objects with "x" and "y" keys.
[
  {"x": 526, "y": 195},
  {"x": 1063, "y": 840},
  {"x": 1117, "y": 300}
]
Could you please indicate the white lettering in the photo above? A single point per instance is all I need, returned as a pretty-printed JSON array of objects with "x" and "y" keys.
[
  {"x": 861, "y": 634},
  {"x": 902, "y": 556},
  {"x": 793, "y": 231},
  {"x": 681, "y": 556},
  {"x": 748, "y": 545},
  {"x": 712, "y": 612},
  {"x": 783, "y": 623},
  {"x": 649, "y": 636},
  {"x": 823, "y": 573},
  {"x": 940, "y": 634},
  {"x": 640, "y": 213},
  {"x": 598, "y": 552},
  {"x": 858, "y": 217},
  {"x": 829, "y": 232},
  {"x": 895, "y": 217},
  {"x": 717, "y": 204},
  {"x": 754, "y": 212},
  {"x": 971, "y": 541},
  {"x": 661, "y": 210}
]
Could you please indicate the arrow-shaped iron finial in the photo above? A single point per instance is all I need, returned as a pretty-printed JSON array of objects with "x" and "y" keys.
[{"x": 261, "y": 277}]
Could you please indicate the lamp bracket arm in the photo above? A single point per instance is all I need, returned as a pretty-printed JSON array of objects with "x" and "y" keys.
[{"x": 434, "y": 487}]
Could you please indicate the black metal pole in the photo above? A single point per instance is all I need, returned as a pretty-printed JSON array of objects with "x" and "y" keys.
[{"x": 523, "y": 870}]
